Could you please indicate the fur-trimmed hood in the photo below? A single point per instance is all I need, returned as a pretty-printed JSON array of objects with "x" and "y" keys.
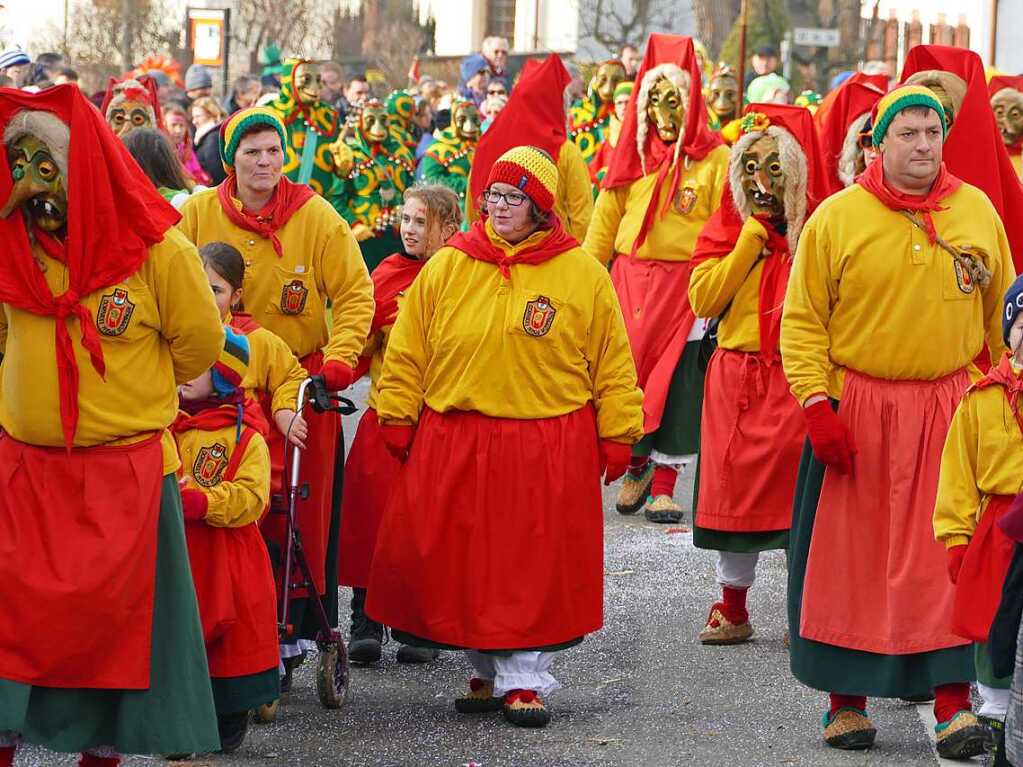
[
  {"x": 677, "y": 77},
  {"x": 46, "y": 127},
  {"x": 851, "y": 150}
]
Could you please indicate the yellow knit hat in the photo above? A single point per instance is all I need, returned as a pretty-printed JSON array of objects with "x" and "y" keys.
[
  {"x": 531, "y": 170},
  {"x": 902, "y": 97}
]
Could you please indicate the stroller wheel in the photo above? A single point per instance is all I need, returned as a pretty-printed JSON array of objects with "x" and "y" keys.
[
  {"x": 333, "y": 674},
  {"x": 267, "y": 712}
]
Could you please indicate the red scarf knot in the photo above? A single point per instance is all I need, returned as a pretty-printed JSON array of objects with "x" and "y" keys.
[
  {"x": 287, "y": 198},
  {"x": 477, "y": 244},
  {"x": 872, "y": 179}
]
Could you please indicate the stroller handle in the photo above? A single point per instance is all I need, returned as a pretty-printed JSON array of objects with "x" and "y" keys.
[{"x": 313, "y": 391}]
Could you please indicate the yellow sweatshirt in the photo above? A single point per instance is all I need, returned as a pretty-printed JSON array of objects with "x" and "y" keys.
[
  {"x": 734, "y": 277},
  {"x": 573, "y": 203},
  {"x": 204, "y": 458},
  {"x": 869, "y": 292},
  {"x": 273, "y": 370},
  {"x": 461, "y": 343},
  {"x": 289, "y": 295},
  {"x": 983, "y": 456},
  {"x": 159, "y": 328},
  {"x": 620, "y": 211},
  {"x": 376, "y": 346}
]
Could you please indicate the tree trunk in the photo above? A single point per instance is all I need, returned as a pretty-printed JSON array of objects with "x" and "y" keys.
[
  {"x": 127, "y": 35},
  {"x": 714, "y": 19}
]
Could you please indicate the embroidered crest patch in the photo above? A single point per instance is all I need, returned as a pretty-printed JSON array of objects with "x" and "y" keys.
[
  {"x": 685, "y": 200},
  {"x": 210, "y": 464},
  {"x": 538, "y": 317},
  {"x": 114, "y": 313},
  {"x": 293, "y": 297},
  {"x": 964, "y": 280}
]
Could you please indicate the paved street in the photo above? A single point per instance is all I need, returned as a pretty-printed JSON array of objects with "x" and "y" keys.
[{"x": 640, "y": 692}]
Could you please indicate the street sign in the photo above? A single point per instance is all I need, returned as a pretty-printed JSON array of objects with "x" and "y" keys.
[{"x": 812, "y": 36}]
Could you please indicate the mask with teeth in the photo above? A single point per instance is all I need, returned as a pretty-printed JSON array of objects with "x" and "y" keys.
[
  {"x": 763, "y": 179},
  {"x": 38, "y": 185}
]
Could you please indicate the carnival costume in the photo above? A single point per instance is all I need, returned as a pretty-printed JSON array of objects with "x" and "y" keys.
[
  {"x": 373, "y": 168},
  {"x": 870, "y": 604},
  {"x": 590, "y": 116},
  {"x": 104, "y": 308},
  {"x": 401, "y": 108},
  {"x": 1007, "y": 102},
  {"x": 657, "y": 196},
  {"x": 131, "y": 104},
  {"x": 751, "y": 433},
  {"x": 448, "y": 159},
  {"x": 490, "y": 453},
  {"x": 842, "y": 120}
]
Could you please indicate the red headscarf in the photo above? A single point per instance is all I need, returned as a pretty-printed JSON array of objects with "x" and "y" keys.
[
  {"x": 114, "y": 215},
  {"x": 534, "y": 116},
  {"x": 626, "y": 165},
  {"x": 850, "y": 100},
  {"x": 974, "y": 150},
  {"x": 150, "y": 95},
  {"x": 719, "y": 236}
]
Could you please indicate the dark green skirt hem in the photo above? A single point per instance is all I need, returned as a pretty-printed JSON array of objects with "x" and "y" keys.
[
  {"x": 839, "y": 669},
  {"x": 739, "y": 543},
  {"x": 176, "y": 713},
  {"x": 679, "y": 432},
  {"x": 985, "y": 671},
  {"x": 411, "y": 639},
  {"x": 241, "y": 693}
]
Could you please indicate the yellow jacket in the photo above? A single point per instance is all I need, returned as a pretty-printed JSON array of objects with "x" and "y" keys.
[
  {"x": 272, "y": 369},
  {"x": 734, "y": 277},
  {"x": 983, "y": 456},
  {"x": 620, "y": 211},
  {"x": 289, "y": 295},
  {"x": 204, "y": 458},
  {"x": 163, "y": 330},
  {"x": 573, "y": 203},
  {"x": 376, "y": 345},
  {"x": 461, "y": 343},
  {"x": 869, "y": 292}
]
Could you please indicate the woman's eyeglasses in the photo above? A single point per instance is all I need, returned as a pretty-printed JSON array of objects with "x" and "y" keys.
[{"x": 512, "y": 199}]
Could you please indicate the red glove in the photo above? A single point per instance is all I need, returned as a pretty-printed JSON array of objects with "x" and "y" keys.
[
  {"x": 337, "y": 375},
  {"x": 830, "y": 438},
  {"x": 194, "y": 504},
  {"x": 614, "y": 459},
  {"x": 955, "y": 555},
  {"x": 397, "y": 439}
]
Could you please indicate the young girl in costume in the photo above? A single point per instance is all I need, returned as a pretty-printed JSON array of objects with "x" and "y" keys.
[
  {"x": 429, "y": 216},
  {"x": 981, "y": 473},
  {"x": 225, "y": 489},
  {"x": 273, "y": 378}
]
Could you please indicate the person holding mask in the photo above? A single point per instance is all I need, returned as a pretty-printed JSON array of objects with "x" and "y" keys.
[{"x": 510, "y": 338}]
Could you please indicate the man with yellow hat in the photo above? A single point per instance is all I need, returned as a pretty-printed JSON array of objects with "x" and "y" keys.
[
  {"x": 299, "y": 255},
  {"x": 896, "y": 287}
]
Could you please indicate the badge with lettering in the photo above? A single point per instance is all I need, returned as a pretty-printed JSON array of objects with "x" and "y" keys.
[
  {"x": 538, "y": 317},
  {"x": 114, "y": 313}
]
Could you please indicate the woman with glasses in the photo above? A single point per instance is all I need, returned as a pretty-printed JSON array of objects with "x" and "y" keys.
[{"x": 507, "y": 390}]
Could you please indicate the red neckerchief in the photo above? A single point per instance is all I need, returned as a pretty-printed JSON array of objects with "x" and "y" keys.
[
  {"x": 243, "y": 322},
  {"x": 391, "y": 277},
  {"x": 1016, "y": 147},
  {"x": 872, "y": 179},
  {"x": 221, "y": 417},
  {"x": 477, "y": 244},
  {"x": 1011, "y": 382},
  {"x": 114, "y": 216},
  {"x": 287, "y": 198}
]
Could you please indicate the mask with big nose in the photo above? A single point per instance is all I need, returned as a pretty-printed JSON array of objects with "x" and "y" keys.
[
  {"x": 467, "y": 122},
  {"x": 38, "y": 185},
  {"x": 724, "y": 96},
  {"x": 1008, "y": 108},
  {"x": 763, "y": 178},
  {"x": 373, "y": 122},
  {"x": 666, "y": 109},
  {"x": 608, "y": 75}
]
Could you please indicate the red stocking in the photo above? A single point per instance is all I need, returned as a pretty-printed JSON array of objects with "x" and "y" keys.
[
  {"x": 7, "y": 756},
  {"x": 664, "y": 481},
  {"x": 847, "y": 701},
  {"x": 950, "y": 699}
]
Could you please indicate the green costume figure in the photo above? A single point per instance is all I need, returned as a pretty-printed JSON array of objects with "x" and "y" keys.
[
  {"x": 401, "y": 107},
  {"x": 372, "y": 169},
  {"x": 590, "y": 117},
  {"x": 312, "y": 126},
  {"x": 449, "y": 158}
]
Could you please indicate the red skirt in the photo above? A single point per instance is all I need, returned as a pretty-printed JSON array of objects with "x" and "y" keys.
[
  {"x": 654, "y": 296},
  {"x": 312, "y": 513},
  {"x": 751, "y": 438},
  {"x": 234, "y": 586},
  {"x": 78, "y": 563},
  {"x": 370, "y": 474},
  {"x": 494, "y": 535},
  {"x": 876, "y": 580},
  {"x": 978, "y": 591}
]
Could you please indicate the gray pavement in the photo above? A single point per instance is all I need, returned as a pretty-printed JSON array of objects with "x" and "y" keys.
[{"x": 640, "y": 692}]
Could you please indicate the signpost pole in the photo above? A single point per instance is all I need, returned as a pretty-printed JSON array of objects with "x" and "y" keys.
[{"x": 743, "y": 19}]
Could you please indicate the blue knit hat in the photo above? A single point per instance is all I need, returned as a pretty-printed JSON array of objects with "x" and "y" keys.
[
  {"x": 230, "y": 367},
  {"x": 1012, "y": 307}
]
